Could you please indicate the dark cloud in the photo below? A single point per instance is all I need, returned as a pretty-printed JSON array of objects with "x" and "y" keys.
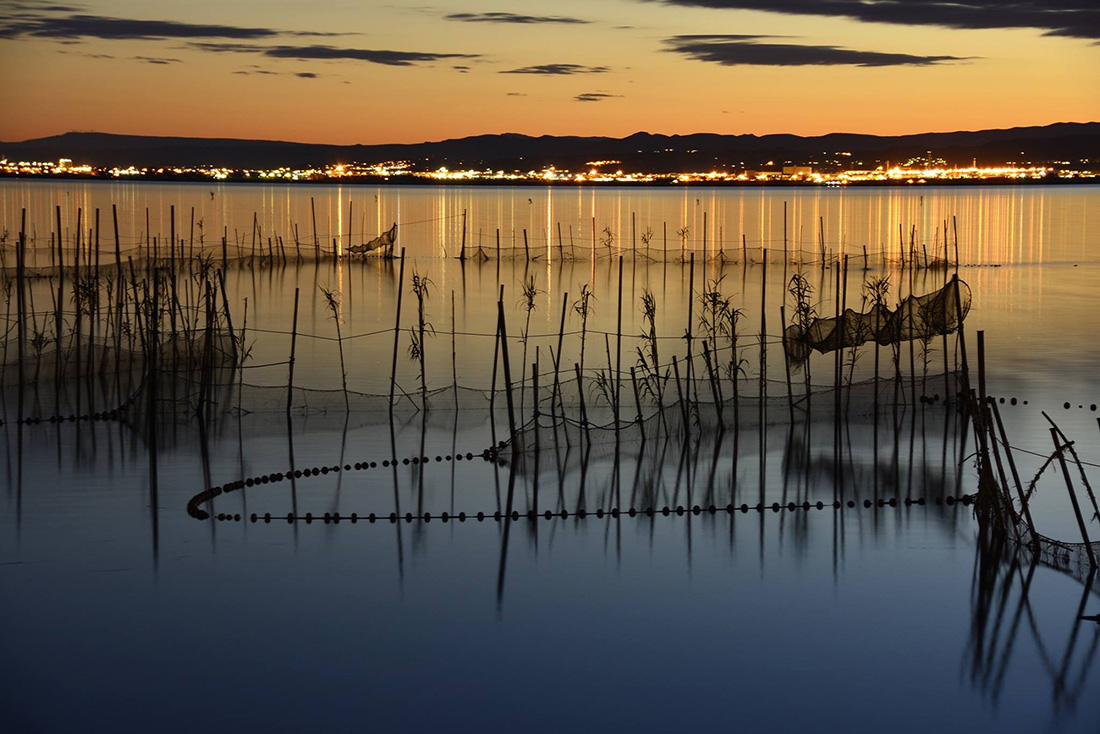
[
  {"x": 512, "y": 18},
  {"x": 224, "y": 48},
  {"x": 156, "y": 60},
  {"x": 40, "y": 7},
  {"x": 60, "y": 22},
  {"x": 738, "y": 50},
  {"x": 91, "y": 26},
  {"x": 461, "y": 69},
  {"x": 1071, "y": 18},
  {"x": 516, "y": 94},
  {"x": 331, "y": 53},
  {"x": 595, "y": 96},
  {"x": 87, "y": 55},
  {"x": 374, "y": 56},
  {"x": 268, "y": 72},
  {"x": 559, "y": 69}
]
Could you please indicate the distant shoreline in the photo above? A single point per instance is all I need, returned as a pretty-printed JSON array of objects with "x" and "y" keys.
[{"x": 421, "y": 182}]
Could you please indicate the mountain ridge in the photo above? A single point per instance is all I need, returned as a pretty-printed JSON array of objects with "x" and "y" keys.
[{"x": 639, "y": 151}]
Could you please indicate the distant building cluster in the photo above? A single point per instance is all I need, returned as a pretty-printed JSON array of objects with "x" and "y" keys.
[{"x": 914, "y": 171}]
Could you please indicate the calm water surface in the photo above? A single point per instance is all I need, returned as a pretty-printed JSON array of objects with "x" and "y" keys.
[{"x": 121, "y": 612}]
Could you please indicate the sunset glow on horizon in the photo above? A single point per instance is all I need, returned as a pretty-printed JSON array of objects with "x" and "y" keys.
[{"x": 375, "y": 72}]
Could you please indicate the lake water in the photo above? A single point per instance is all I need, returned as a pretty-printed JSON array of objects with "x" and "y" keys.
[{"x": 123, "y": 611}]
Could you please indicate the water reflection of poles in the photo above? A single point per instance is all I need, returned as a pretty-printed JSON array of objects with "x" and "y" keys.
[
  {"x": 990, "y": 651},
  {"x": 397, "y": 501},
  {"x": 418, "y": 470},
  {"x": 340, "y": 463},
  {"x": 151, "y": 419},
  {"x": 19, "y": 483}
]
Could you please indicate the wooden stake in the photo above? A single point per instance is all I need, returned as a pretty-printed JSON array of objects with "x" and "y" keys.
[
  {"x": 293, "y": 348},
  {"x": 397, "y": 330},
  {"x": 502, "y": 327},
  {"x": 619, "y": 338},
  {"x": 1073, "y": 497},
  {"x": 462, "y": 251},
  {"x": 316, "y": 242},
  {"x": 786, "y": 362}
]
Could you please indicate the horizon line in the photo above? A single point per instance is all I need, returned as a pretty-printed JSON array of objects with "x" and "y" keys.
[{"x": 552, "y": 135}]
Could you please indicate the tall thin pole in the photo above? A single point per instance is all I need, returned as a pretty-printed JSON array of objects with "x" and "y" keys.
[
  {"x": 316, "y": 242},
  {"x": 397, "y": 329},
  {"x": 619, "y": 337},
  {"x": 20, "y": 257},
  {"x": 462, "y": 252},
  {"x": 1058, "y": 447},
  {"x": 503, "y": 330},
  {"x": 293, "y": 348}
]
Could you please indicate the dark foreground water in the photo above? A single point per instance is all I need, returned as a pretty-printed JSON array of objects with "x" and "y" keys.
[{"x": 121, "y": 612}]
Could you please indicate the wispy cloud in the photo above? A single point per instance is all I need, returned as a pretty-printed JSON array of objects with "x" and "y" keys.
[
  {"x": 156, "y": 60},
  {"x": 559, "y": 69},
  {"x": 87, "y": 55},
  {"x": 1071, "y": 18},
  {"x": 595, "y": 97},
  {"x": 332, "y": 53},
  {"x": 269, "y": 72},
  {"x": 515, "y": 18},
  {"x": 740, "y": 50}
]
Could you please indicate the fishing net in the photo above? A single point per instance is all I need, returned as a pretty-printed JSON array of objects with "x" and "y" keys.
[{"x": 915, "y": 318}]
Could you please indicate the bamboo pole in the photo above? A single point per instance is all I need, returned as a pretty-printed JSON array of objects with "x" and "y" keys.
[
  {"x": 397, "y": 330},
  {"x": 535, "y": 397},
  {"x": 293, "y": 349},
  {"x": 786, "y": 362},
  {"x": 557, "y": 358},
  {"x": 638, "y": 403},
  {"x": 619, "y": 340},
  {"x": 580, "y": 395},
  {"x": 20, "y": 300},
  {"x": 316, "y": 242},
  {"x": 688, "y": 371},
  {"x": 229, "y": 316},
  {"x": 503, "y": 329},
  {"x": 680, "y": 395},
  {"x": 120, "y": 299},
  {"x": 1073, "y": 497},
  {"x": 716, "y": 394},
  {"x": 454, "y": 351},
  {"x": 1015, "y": 474},
  {"x": 462, "y": 251},
  {"x": 763, "y": 330}
]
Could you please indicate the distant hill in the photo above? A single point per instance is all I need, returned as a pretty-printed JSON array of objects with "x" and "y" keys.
[{"x": 638, "y": 152}]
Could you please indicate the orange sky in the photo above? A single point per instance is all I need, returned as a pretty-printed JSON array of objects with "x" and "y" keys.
[{"x": 373, "y": 72}]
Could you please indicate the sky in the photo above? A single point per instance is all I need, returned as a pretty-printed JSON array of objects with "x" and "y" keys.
[{"x": 348, "y": 71}]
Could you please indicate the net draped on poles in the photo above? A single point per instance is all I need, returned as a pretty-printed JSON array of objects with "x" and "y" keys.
[
  {"x": 383, "y": 242},
  {"x": 916, "y": 317}
]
